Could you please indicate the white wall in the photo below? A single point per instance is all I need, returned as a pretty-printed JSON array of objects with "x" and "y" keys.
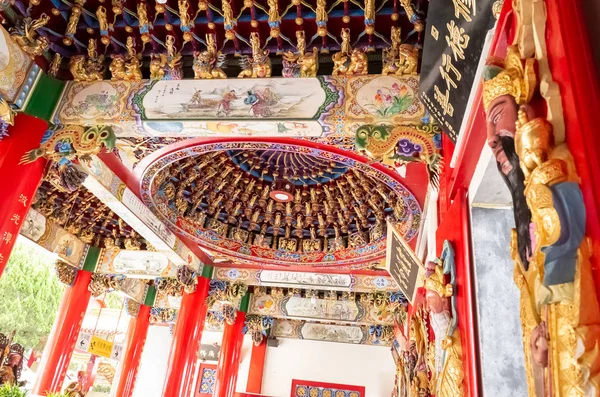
[
  {"x": 358, "y": 365},
  {"x": 151, "y": 374}
]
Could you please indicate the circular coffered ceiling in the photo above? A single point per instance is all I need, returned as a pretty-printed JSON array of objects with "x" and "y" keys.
[{"x": 220, "y": 195}]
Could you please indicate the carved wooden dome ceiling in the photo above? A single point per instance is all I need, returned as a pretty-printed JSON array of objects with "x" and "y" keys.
[{"x": 219, "y": 196}]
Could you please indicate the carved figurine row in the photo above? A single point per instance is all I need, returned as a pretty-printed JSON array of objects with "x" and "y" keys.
[
  {"x": 399, "y": 59},
  {"x": 559, "y": 308}
]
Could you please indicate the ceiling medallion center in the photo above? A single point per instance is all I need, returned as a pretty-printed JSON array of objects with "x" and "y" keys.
[{"x": 279, "y": 204}]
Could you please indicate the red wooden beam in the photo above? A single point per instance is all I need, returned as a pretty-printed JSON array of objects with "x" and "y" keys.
[{"x": 133, "y": 183}]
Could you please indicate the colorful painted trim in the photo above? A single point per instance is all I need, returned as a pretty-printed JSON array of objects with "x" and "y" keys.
[{"x": 302, "y": 388}]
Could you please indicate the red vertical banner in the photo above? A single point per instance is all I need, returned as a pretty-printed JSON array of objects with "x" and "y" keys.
[
  {"x": 456, "y": 228},
  {"x": 18, "y": 182}
]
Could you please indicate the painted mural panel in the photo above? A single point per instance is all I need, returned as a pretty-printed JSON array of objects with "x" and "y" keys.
[
  {"x": 134, "y": 288},
  {"x": 95, "y": 103},
  {"x": 54, "y": 238},
  {"x": 333, "y": 333},
  {"x": 340, "y": 333},
  {"x": 274, "y": 278},
  {"x": 322, "y": 308},
  {"x": 166, "y": 301},
  {"x": 296, "y": 307},
  {"x": 14, "y": 67},
  {"x": 143, "y": 264},
  {"x": 382, "y": 98},
  {"x": 296, "y": 99},
  {"x": 326, "y": 108}
]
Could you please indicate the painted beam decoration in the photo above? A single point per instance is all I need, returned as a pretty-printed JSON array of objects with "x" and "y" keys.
[
  {"x": 112, "y": 191},
  {"x": 141, "y": 264},
  {"x": 327, "y": 332},
  {"x": 54, "y": 238},
  {"x": 321, "y": 281},
  {"x": 18, "y": 72},
  {"x": 311, "y": 107},
  {"x": 328, "y": 310},
  {"x": 454, "y": 39}
]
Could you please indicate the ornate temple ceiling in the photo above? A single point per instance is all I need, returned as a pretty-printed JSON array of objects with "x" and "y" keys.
[
  {"x": 230, "y": 21},
  {"x": 85, "y": 216},
  {"x": 222, "y": 196}
]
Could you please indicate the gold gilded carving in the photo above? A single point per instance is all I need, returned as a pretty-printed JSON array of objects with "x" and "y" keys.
[
  {"x": 559, "y": 308},
  {"x": 515, "y": 80},
  {"x": 302, "y": 64},
  {"x": 76, "y": 11},
  {"x": 259, "y": 65},
  {"x": 167, "y": 65},
  {"x": 399, "y": 59},
  {"x": 26, "y": 35},
  {"x": 90, "y": 69},
  {"x": 55, "y": 65},
  {"x": 7, "y": 114},
  {"x": 208, "y": 64},
  {"x": 445, "y": 357},
  {"x": 349, "y": 61}
]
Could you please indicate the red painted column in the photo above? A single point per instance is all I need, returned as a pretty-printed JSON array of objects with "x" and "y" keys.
[
  {"x": 61, "y": 342},
  {"x": 18, "y": 182},
  {"x": 183, "y": 357},
  {"x": 231, "y": 349},
  {"x": 136, "y": 338},
  {"x": 257, "y": 367}
]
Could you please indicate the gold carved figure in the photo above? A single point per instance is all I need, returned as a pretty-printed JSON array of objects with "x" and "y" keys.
[
  {"x": 208, "y": 64},
  {"x": 446, "y": 366},
  {"x": 91, "y": 69},
  {"x": 301, "y": 64},
  {"x": 76, "y": 11},
  {"x": 259, "y": 65},
  {"x": 399, "y": 59},
  {"x": 166, "y": 65},
  {"x": 349, "y": 61},
  {"x": 559, "y": 309},
  {"x": 104, "y": 26},
  {"x": 26, "y": 35}
]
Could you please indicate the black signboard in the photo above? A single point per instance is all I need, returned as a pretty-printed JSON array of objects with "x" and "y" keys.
[
  {"x": 402, "y": 263},
  {"x": 454, "y": 39},
  {"x": 209, "y": 352}
]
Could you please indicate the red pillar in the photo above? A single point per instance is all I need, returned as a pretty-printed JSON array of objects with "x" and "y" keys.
[
  {"x": 18, "y": 182},
  {"x": 183, "y": 357},
  {"x": 136, "y": 338},
  {"x": 257, "y": 367},
  {"x": 61, "y": 342},
  {"x": 229, "y": 357}
]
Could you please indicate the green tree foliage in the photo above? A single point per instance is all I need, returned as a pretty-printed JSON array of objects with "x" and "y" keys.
[{"x": 29, "y": 295}]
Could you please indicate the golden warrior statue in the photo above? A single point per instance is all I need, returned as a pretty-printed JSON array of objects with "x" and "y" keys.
[{"x": 552, "y": 269}]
